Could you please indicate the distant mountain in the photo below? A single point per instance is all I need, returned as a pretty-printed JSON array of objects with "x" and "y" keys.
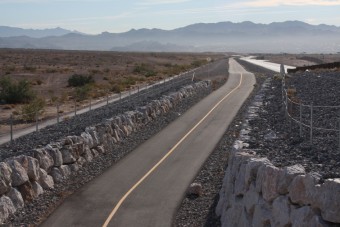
[
  {"x": 6, "y": 31},
  {"x": 289, "y": 37}
]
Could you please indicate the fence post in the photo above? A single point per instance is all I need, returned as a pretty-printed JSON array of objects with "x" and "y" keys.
[
  {"x": 286, "y": 105},
  {"x": 75, "y": 108},
  {"x": 57, "y": 113},
  {"x": 311, "y": 123},
  {"x": 339, "y": 128},
  {"x": 36, "y": 121},
  {"x": 90, "y": 103},
  {"x": 300, "y": 119},
  {"x": 107, "y": 99},
  {"x": 11, "y": 123}
]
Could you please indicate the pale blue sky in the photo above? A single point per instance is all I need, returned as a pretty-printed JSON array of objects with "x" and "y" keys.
[{"x": 96, "y": 16}]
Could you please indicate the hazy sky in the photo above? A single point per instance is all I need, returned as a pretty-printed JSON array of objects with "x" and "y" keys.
[{"x": 96, "y": 16}]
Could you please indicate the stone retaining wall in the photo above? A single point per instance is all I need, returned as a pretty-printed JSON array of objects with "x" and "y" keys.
[
  {"x": 256, "y": 193},
  {"x": 25, "y": 177}
]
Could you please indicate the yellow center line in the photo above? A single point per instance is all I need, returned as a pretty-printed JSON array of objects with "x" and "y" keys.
[{"x": 114, "y": 211}]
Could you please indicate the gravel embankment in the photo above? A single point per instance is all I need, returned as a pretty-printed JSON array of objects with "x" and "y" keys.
[
  {"x": 284, "y": 146},
  {"x": 200, "y": 211},
  {"x": 34, "y": 213}
]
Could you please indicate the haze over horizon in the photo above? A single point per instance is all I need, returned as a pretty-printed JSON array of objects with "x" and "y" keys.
[{"x": 97, "y": 16}]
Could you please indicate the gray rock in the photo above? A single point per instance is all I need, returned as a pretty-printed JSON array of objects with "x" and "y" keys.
[
  {"x": 65, "y": 170},
  {"x": 232, "y": 217},
  {"x": 269, "y": 183},
  {"x": 88, "y": 155},
  {"x": 55, "y": 154},
  {"x": 69, "y": 155},
  {"x": 6, "y": 208},
  {"x": 252, "y": 168},
  {"x": 108, "y": 142},
  {"x": 328, "y": 200},
  {"x": 31, "y": 166},
  {"x": 262, "y": 216},
  {"x": 240, "y": 184},
  {"x": 302, "y": 190},
  {"x": 250, "y": 199},
  {"x": 287, "y": 175},
  {"x": 57, "y": 175},
  {"x": 95, "y": 153},
  {"x": 27, "y": 192},
  {"x": 281, "y": 212},
  {"x": 44, "y": 158},
  {"x": 78, "y": 149},
  {"x": 88, "y": 140},
  {"x": 37, "y": 189},
  {"x": 16, "y": 198},
  {"x": 45, "y": 180},
  {"x": 81, "y": 161},
  {"x": 92, "y": 131},
  {"x": 74, "y": 167},
  {"x": 5, "y": 177},
  {"x": 305, "y": 217},
  {"x": 195, "y": 189},
  {"x": 101, "y": 149},
  {"x": 19, "y": 175}
]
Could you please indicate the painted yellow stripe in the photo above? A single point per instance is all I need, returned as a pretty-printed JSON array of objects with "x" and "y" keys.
[{"x": 114, "y": 211}]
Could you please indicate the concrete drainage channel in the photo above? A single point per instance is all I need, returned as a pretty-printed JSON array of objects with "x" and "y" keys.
[{"x": 40, "y": 178}]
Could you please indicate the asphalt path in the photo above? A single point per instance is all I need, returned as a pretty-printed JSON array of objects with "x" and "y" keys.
[{"x": 146, "y": 187}]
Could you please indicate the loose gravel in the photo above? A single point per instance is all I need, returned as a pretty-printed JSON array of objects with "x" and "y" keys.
[
  {"x": 35, "y": 212},
  {"x": 278, "y": 138}
]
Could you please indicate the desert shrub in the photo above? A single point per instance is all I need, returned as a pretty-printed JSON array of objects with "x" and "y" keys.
[
  {"x": 30, "y": 68},
  {"x": 15, "y": 92},
  {"x": 116, "y": 88},
  {"x": 197, "y": 63},
  {"x": 31, "y": 110},
  {"x": 129, "y": 81},
  {"x": 77, "y": 80},
  {"x": 145, "y": 70},
  {"x": 82, "y": 93}
]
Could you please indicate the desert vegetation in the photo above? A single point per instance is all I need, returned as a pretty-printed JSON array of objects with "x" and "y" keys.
[{"x": 36, "y": 81}]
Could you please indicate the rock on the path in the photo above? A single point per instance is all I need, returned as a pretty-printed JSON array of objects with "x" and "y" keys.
[{"x": 195, "y": 189}]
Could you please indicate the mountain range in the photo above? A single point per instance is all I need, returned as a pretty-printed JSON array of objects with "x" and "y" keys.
[{"x": 287, "y": 37}]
